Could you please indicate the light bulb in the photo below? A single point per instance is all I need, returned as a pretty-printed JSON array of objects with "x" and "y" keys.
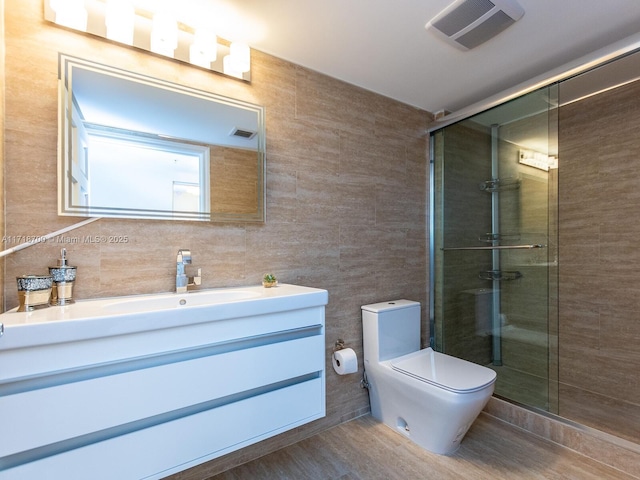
[
  {"x": 204, "y": 49},
  {"x": 164, "y": 34},
  {"x": 230, "y": 67},
  {"x": 70, "y": 13},
  {"x": 120, "y": 20},
  {"x": 240, "y": 56}
]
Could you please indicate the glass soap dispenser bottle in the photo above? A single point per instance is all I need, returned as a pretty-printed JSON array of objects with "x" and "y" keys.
[{"x": 63, "y": 278}]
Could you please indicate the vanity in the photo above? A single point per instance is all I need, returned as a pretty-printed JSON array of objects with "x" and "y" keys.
[{"x": 146, "y": 386}]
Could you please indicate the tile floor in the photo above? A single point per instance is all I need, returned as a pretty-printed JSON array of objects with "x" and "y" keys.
[{"x": 364, "y": 449}]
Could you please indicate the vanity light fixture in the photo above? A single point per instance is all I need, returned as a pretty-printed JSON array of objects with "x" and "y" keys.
[
  {"x": 70, "y": 13},
  {"x": 204, "y": 50},
  {"x": 120, "y": 20},
  {"x": 154, "y": 28},
  {"x": 164, "y": 34}
]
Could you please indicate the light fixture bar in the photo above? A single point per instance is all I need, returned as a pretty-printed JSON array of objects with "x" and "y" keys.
[{"x": 155, "y": 31}]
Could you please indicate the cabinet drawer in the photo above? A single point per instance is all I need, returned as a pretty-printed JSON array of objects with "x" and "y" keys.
[
  {"x": 109, "y": 405},
  {"x": 41, "y": 359},
  {"x": 155, "y": 452}
]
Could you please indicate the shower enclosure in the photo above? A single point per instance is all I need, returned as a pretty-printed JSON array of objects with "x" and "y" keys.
[
  {"x": 534, "y": 231},
  {"x": 494, "y": 244}
]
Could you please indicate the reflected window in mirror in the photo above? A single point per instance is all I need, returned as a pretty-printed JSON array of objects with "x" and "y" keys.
[{"x": 135, "y": 172}]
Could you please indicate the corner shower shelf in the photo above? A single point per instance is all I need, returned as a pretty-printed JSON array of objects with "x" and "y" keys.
[
  {"x": 499, "y": 275},
  {"x": 490, "y": 237},
  {"x": 499, "y": 185}
]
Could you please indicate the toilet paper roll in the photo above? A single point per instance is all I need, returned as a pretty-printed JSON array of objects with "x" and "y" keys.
[{"x": 345, "y": 361}]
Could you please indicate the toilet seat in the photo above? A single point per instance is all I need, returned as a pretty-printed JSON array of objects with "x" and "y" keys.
[{"x": 444, "y": 371}]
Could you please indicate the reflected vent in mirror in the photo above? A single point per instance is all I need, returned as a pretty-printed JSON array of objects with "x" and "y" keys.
[
  {"x": 469, "y": 23},
  {"x": 239, "y": 132}
]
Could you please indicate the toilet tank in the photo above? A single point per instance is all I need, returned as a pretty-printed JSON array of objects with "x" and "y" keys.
[{"x": 390, "y": 329}]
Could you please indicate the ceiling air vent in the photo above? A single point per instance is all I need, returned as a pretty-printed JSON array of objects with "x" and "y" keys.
[
  {"x": 238, "y": 132},
  {"x": 468, "y": 23}
]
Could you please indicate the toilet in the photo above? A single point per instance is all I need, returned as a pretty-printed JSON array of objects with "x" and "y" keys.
[{"x": 427, "y": 396}]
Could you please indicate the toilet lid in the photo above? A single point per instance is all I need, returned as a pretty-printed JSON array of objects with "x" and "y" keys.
[{"x": 444, "y": 371}]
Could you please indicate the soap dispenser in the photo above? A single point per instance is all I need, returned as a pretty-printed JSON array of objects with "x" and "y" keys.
[{"x": 63, "y": 278}]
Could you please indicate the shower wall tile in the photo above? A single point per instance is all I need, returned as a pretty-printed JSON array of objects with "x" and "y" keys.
[
  {"x": 346, "y": 195},
  {"x": 599, "y": 283},
  {"x": 620, "y": 333},
  {"x": 587, "y": 408},
  {"x": 579, "y": 283}
]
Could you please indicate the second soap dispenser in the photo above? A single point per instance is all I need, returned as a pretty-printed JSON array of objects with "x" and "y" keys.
[{"x": 63, "y": 278}]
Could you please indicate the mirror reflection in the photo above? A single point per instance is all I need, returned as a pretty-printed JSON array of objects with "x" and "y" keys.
[{"x": 133, "y": 146}]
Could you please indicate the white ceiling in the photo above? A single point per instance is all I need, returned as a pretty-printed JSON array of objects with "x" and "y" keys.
[{"x": 382, "y": 45}]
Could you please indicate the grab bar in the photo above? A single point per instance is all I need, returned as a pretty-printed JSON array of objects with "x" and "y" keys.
[{"x": 498, "y": 247}]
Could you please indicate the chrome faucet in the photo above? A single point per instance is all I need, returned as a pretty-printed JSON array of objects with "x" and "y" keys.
[{"x": 182, "y": 280}]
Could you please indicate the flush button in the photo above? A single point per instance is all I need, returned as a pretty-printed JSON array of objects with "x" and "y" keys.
[{"x": 183, "y": 301}]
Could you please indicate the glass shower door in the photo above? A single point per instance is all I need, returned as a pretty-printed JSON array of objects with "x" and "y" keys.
[{"x": 493, "y": 244}]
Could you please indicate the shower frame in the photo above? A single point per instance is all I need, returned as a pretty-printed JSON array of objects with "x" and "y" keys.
[{"x": 598, "y": 59}]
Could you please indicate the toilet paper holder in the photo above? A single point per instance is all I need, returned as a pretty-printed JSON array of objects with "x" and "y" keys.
[{"x": 344, "y": 360}]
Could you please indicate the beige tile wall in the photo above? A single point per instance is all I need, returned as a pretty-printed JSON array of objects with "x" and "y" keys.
[
  {"x": 599, "y": 330},
  {"x": 233, "y": 181},
  {"x": 346, "y": 194},
  {"x": 2, "y": 230}
]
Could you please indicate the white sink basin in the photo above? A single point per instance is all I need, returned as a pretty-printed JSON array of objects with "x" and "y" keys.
[
  {"x": 140, "y": 313},
  {"x": 164, "y": 301}
]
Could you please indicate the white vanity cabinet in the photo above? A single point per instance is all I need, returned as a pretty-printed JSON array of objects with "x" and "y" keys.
[{"x": 144, "y": 394}]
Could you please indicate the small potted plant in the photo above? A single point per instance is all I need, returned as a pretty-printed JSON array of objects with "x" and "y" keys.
[{"x": 269, "y": 280}]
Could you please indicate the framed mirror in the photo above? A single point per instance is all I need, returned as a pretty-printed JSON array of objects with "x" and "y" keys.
[{"x": 132, "y": 146}]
